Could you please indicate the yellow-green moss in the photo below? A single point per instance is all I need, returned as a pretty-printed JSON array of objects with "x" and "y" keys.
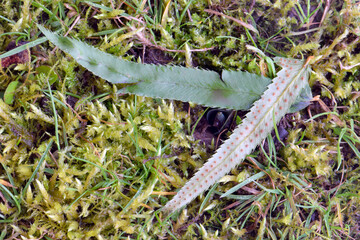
[{"x": 120, "y": 155}]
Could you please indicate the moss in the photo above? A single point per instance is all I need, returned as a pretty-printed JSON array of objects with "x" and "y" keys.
[{"x": 120, "y": 156}]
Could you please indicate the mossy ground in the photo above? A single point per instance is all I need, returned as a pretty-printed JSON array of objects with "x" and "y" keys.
[{"x": 81, "y": 162}]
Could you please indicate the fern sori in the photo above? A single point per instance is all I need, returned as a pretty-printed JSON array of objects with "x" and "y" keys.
[{"x": 259, "y": 122}]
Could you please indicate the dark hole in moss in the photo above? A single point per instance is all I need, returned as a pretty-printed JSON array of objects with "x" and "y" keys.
[
  {"x": 71, "y": 100},
  {"x": 93, "y": 23},
  {"x": 44, "y": 17}
]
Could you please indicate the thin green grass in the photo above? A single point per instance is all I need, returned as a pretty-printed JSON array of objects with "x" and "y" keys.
[
  {"x": 42, "y": 159},
  {"x": 24, "y": 47},
  {"x": 121, "y": 194}
]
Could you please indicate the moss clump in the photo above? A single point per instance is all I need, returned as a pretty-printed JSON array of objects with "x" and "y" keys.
[{"x": 79, "y": 162}]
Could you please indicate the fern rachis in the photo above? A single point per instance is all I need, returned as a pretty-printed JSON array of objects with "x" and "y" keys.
[{"x": 275, "y": 102}]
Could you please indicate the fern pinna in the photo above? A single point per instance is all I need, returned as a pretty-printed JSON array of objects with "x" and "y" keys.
[{"x": 259, "y": 122}]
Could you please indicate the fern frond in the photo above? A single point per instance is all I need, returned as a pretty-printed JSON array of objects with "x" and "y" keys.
[
  {"x": 235, "y": 90},
  {"x": 274, "y": 104}
]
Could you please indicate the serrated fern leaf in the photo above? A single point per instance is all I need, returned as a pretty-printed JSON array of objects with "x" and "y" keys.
[
  {"x": 274, "y": 104},
  {"x": 236, "y": 90}
]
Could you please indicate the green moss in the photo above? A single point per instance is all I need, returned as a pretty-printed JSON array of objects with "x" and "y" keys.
[{"x": 120, "y": 155}]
